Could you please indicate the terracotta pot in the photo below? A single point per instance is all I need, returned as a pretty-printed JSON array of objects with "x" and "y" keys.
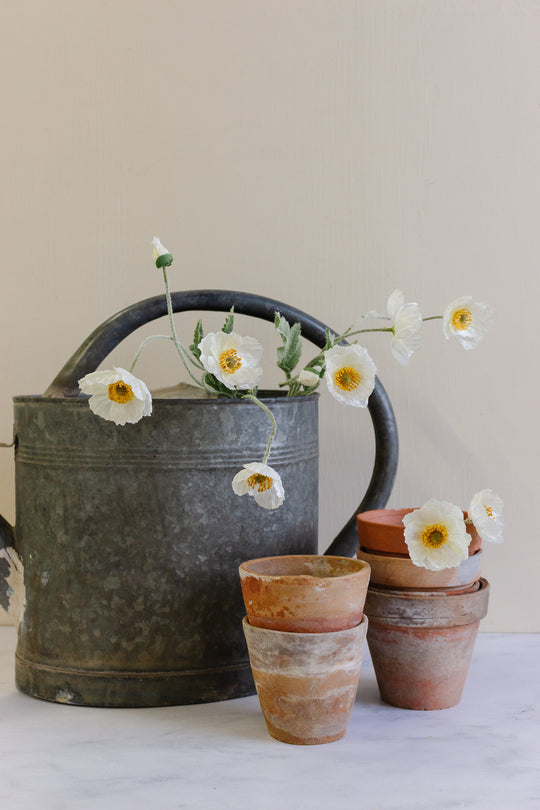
[
  {"x": 382, "y": 530},
  {"x": 421, "y": 645},
  {"x": 304, "y": 593},
  {"x": 397, "y": 571},
  {"x": 306, "y": 682}
]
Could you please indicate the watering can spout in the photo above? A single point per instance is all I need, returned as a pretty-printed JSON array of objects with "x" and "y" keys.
[{"x": 12, "y": 593}]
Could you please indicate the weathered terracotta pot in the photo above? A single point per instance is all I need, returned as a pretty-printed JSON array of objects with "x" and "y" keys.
[
  {"x": 306, "y": 682},
  {"x": 398, "y": 571},
  {"x": 421, "y": 645},
  {"x": 382, "y": 530},
  {"x": 304, "y": 593}
]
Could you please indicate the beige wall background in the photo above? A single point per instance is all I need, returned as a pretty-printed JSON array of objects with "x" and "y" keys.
[{"x": 317, "y": 152}]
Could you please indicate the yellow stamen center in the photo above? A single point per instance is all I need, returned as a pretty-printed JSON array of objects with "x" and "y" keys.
[
  {"x": 120, "y": 392},
  {"x": 259, "y": 482},
  {"x": 347, "y": 378},
  {"x": 489, "y": 510},
  {"x": 229, "y": 361},
  {"x": 435, "y": 536},
  {"x": 462, "y": 319}
]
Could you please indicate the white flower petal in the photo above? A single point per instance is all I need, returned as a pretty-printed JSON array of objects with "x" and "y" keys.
[
  {"x": 407, "y": 328},
  {"x": 117, "y": 395},
  {"x": 350, "y": 374},
  {"x": 486, "y": 513},
  {"x": 395, "y": 302},
  {"x": 234, "y": 360},
  {"x": 159, "y": 249},
  {"x": 436, "y": 535},
  {"x": 467, "y": 321},
  {"x": 262, "y": 482}
]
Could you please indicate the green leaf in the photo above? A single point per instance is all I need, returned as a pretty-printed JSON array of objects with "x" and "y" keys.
[
  {"x": 198, "y": 335},
  {"x": 282, "y": 325},
  {"x": 289, "y": 353},
  {"x": 229, "y": 321},
  {"x": 217, "y": 386}
]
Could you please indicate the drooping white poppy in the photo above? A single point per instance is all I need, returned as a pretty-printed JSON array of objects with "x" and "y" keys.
[
  {"x": 407, "y": 325},
  {"x": 233, "y": 359},
  {"x": 262, "y": 482},
  {"x": 350, "y": 374},
  {"x": 467, "y": 321},
  {"x": 436, "y": 535},
  {"x": 486, "y": 513},
  {"x": 117, "y": 395}
]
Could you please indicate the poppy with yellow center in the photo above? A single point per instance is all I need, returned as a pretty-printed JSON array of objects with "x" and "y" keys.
[
  {"x": 117, "y": 395},
  {"x": 486, "y": 513},
  {"x": 261, "y": 482},
  {"x": 436, "y": 535},
  {"x": 350, "y": 374},
  {"x": 232, "y": 359},
  {"x": 467, "y": 321}
]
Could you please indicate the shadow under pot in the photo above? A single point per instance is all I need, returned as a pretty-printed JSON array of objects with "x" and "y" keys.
[
  {"x": 304, "y": 593},
  {"x": 421, "y": 644},
  {"x": 306, "y": 682}
]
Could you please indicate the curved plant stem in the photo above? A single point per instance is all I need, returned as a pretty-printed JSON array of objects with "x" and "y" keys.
[
  {"x": 271, "y": 416},
  {"x": 143, "y": 345}
]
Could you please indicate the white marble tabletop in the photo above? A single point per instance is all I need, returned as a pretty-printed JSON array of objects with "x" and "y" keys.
[{"x": 483, "y": 753}]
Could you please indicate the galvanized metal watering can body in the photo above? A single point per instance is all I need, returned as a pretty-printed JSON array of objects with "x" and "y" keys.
[{"x": 131, "y": 536}]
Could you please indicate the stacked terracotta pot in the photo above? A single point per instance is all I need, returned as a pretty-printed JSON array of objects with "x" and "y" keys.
[
  {"x": 305, "y": 631},
  {"x": 422, "y": 624}
]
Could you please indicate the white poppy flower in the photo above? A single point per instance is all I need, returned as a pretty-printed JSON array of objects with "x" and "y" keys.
[
  {"x": 308, "y": 378},
  {"x": 350, "y": 374},
  {"x": 407, "y": 324},
  {"x": 486, "y": 513},
  {"x": 262, "y": 482},
  {"x": 436, "y": 535},
  {"x": 233, "y": 359},
  {"x": 117, "y": 395},
  {"x": 467, "y": 321},
  {"x": 162, "y": 257}
]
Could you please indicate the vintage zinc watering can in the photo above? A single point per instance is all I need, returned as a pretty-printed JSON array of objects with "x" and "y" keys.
[{"x": 131, "y": 537}]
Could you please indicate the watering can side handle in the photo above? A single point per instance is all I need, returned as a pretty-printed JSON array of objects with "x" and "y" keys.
[{"x": 106, "y": 337}]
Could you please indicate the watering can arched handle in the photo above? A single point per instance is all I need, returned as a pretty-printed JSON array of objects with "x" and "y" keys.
[{"x": 107, "y": 336}]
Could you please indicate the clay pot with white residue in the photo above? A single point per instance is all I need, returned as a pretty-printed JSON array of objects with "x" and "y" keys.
[
  {"x": 306, "y": 682},
  {"x": 421, "y": 644}
]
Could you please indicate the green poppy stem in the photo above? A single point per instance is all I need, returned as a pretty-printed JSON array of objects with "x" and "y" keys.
[{"x": 270, "y": 415}]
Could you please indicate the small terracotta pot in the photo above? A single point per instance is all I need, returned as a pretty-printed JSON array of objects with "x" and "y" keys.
[
  {"x": 306, "y": 682},
  {"x": 383, "y": 530},
  {"x": 397, "y": 571},
  {"x": 421, "y": 645},
  {"x": 304, "y": 593}
]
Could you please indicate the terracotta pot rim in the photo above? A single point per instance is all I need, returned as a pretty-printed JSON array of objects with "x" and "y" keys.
[
  {"x": 248, "y": 568},
  {"x": 387, "y": 554},
  {"x": 352, "y": 631},
  {"x": 427, "y": 610}
]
